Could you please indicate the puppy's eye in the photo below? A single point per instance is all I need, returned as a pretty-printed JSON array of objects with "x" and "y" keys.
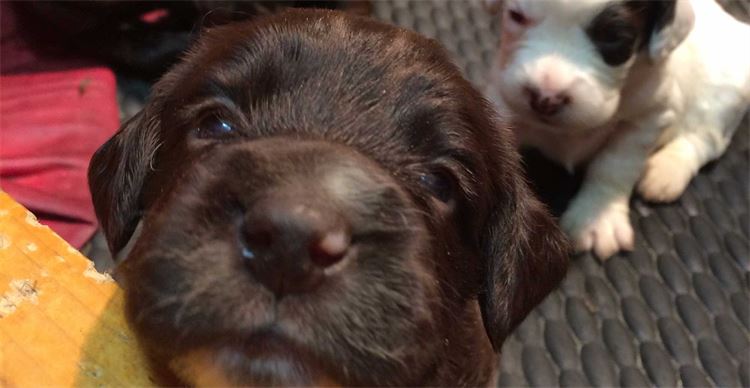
[
  {"x": 214, "y": 127},
  {"x": 615, "y": 44},
  {"x": 518, "y": 17},
  {"x": 439, "y": 184}
]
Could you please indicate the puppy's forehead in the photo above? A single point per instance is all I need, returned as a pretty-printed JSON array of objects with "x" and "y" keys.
[
  {"x": 573, "y": 12},
  {"x": 385, "y": 91}
]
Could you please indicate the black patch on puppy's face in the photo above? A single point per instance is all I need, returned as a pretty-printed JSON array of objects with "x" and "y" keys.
[{"x": 624, "y": 27}]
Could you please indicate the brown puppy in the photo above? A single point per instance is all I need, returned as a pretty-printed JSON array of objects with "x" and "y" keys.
[{"x": 323, "y": 199}]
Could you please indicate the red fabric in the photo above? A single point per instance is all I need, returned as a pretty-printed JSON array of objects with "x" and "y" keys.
[{"x": 50, "y": 125}]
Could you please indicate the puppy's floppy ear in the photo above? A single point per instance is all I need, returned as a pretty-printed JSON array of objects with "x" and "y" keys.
[
  {"x": 117, "y": 173},
  {"x": 669, "y": 23},
  {"x": 526, "y": 256}
]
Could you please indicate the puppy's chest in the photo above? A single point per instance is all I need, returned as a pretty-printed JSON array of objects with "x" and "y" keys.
[{"x": 569, "y": 151}]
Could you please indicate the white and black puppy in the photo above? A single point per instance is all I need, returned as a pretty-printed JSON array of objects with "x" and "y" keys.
[{"x": 643, "y": 93}]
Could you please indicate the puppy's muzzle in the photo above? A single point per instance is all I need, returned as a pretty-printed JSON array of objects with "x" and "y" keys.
[
  {"x": 291, "y": 214},
  {"x": 546, "y": 103},
  {"x": 290, "y": 243}
]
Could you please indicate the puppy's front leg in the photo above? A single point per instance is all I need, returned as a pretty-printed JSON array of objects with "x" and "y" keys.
[
  {"x": 669, "y": 170},
  {"x": 597, "y": 218}
]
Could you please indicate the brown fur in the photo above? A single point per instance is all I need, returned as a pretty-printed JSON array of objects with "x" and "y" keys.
[{"x": 450, "y": 248}]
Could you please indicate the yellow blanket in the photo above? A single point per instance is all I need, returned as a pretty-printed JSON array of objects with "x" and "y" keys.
[{"x": 61, "y": 322}]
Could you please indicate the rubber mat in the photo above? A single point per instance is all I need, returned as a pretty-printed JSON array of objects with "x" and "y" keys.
[{"x": 676, "y": 310}]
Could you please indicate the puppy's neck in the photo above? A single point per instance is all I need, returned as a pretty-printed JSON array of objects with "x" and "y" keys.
[{"x": 646, "y": 89}]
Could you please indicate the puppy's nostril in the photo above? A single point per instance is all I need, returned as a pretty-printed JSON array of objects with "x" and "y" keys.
[
  {"x": 548, "y": 105},
  {"x": 254, "y": 241},
  {"x": 531, "y": 92},
  {"x": 248, "y": 253},
  {"x": 287, "y": 244},
  {"x": 565, "y": 99},
  {"x": 330, "y": 249},
  {"x": 258, "y": 238}
]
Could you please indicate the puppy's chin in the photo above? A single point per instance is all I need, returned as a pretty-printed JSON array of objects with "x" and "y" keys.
[{"x": 270, "y": 364}]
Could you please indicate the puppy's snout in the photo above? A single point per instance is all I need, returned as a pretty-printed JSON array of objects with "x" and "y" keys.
[
  {"x": 288, "y": 244},
  {"x": 545, "y": 102}
]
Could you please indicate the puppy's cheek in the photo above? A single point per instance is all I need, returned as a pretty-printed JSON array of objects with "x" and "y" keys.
[
  {"x": 598, "y": 110},
  {"x": 510, "y": 84},
  {"x": 508, "y": 46},
  {"x": 593, "y": 106},
  {"x": 596, "y": 97}
]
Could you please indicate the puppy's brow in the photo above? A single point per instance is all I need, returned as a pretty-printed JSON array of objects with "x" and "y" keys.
[
  {"x": 466, "y": 158},
  {"x": 210, "y": 103},
  {"x": 216, "y": 87},
  {"x": 464, "y": 165}
]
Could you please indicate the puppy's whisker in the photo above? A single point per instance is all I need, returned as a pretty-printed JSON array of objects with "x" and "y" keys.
[
  {"x": 152, "y": 156},
  {"x": 163, "y": 303},
  {"x": 187, "y": 305}
]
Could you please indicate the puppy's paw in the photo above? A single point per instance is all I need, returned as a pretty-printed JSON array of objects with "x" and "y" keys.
[
  {"x": 604, "y": 229},
  {"x": 666, "y": 175}
]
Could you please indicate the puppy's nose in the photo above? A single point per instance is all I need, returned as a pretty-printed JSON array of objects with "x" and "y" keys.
[
  {"x": 287, "y": 246},
  {"x": 546, "y": 103}
]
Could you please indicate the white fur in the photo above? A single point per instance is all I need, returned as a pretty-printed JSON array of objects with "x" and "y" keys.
[{"x": 651, "y": 123}]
